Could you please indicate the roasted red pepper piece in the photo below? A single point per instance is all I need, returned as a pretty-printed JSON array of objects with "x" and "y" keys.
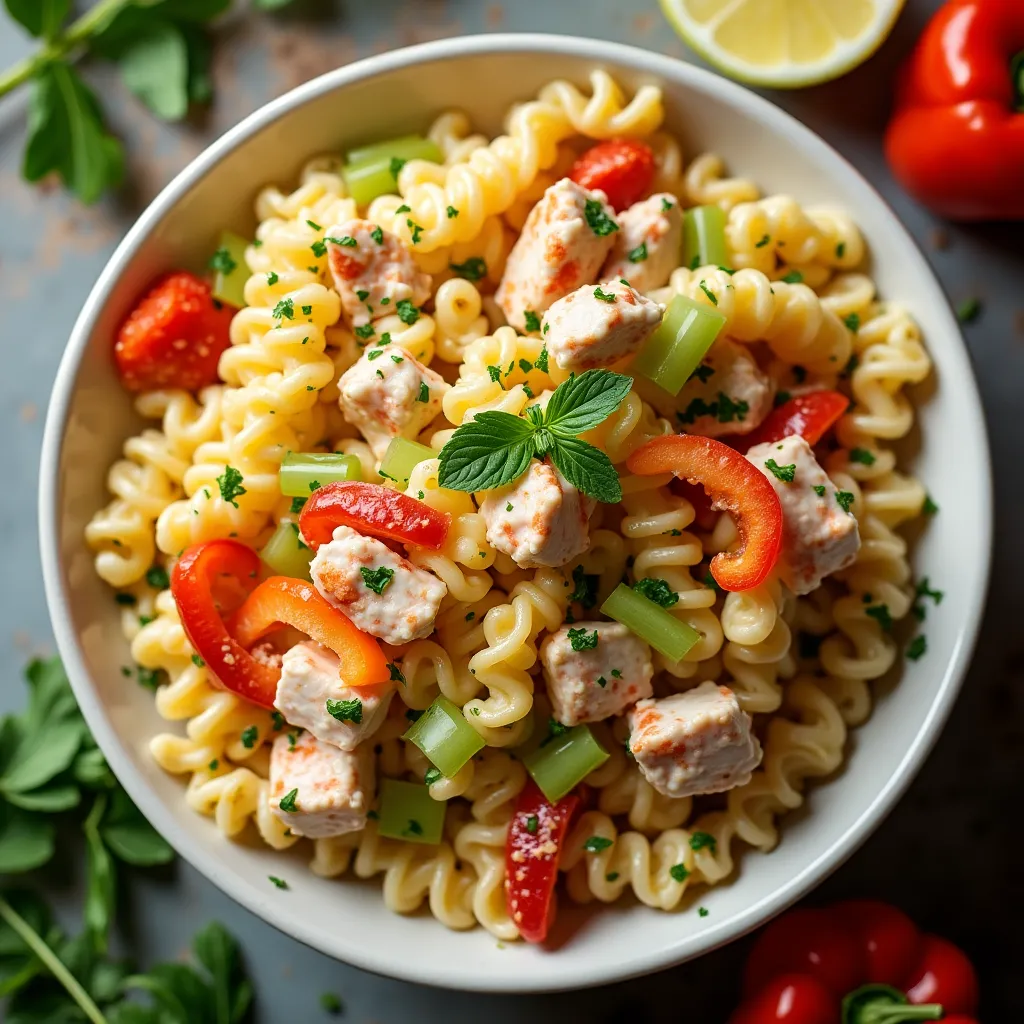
[
  {"x": 956, "y": 138},
  {"x": 533, "y": 848},
  {"x": 735, "y": 486},
  {"x": 811, "y": 416},
  {"x": 622, "y": 169},
  {"x": 373, "y": 510},
  {"x": 869, "y": 958},
  {"x": 174, "y": 337}
]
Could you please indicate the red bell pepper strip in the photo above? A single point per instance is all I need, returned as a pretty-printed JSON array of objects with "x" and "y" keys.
[
  {"x": 281, "y": 600},
  {"x": 622, "y": 169},
  {"x": 811, "y": 416},
  {"x": 956, "y": 138},
  {"x": 192, "y": 582},
  {"x": 174, "y": 337},
  {"x": 734, "y": 485},
  {"x": 532, "y": 851},
  {"x": 868, "y": 958},
  {"x": 374, "y": 510}
]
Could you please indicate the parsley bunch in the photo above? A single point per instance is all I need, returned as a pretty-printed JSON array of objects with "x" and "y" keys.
[
  {"x": 162, "y": 51},
  {"x": 495, "y": 448}
]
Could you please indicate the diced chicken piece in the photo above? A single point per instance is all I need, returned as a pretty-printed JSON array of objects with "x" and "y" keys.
[
  {"x": 373, "y": 271},
  {"x": 387, "y": 393},
  {"x": 694, "y": 742},
  {"x": 541, "y": 519},
  {"x": 727, "y": 394},
  {"x": 648, "y": 243},
  {"x": 311, "y": 687},
  {"x": 564, "y": 241},
  {"x": 379, "y": 590},
  {"x": 595, "y": 682},
  {"x": 326, "y": 791},
  {"x": 597, "y": 325},
  {"x": 819, "y": 537}
]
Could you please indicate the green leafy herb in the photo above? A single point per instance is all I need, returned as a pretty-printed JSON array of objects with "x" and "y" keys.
[
  {"x": 929, "y": 508},
  {"x": 395, "y": 166},
  {"x": 700, "y": 840},
  {"x": 708, "y": 292},
  {"x": 765, "y": 239},
  {"x": 249, "y": 736},
  {"x": 230, "y": 484},
  {"x": 287, "y": 802},
  {"x": 407, "y": 312},
  {"x": 585, "y": 587},
  {"x": 431, "y": 776},
  {"x": 278, "y": 883},
  {"x": 532, "y": 824},
  {"x": 679, "y": 872},
  {"x": 917, "y": 647},
  {"x": 863, "y": 456},
  {"x": 840, "y": 250},
  {"x": 844, "y": 499},
  {"x": 781, "y": 398},
  {"x": 532, "y": 323},
  {"x": 784, "y": 473},
  {"x": 852, "y": 321},
  {"x": 285, "y": 309},
  {"x": 330, "y": 1003},
  {"x": 637, "y": 255},
  {"x": 222, "y": 262},
  {"x": 395, "y": 673},
  {"x": 452, "y": 212},
  {"x": 473, "y": 269},
  {"x": 319, "y": 248},
  {"x": 703, "y": 911},
  {"x": 968, "y": 311},
  {"x": 923, "y": 589},
  {"x": 613, "y": 876},
  {"x": 657, "y": 590},
  {"x": 417, "y": 231},
  {"x": 377, "y": 579},
  {"x": 297, "y": 505},
  {"x": 819, "y": 490},
  {"x": 423, "y": 395},
  {"x": 793, "y": 277},
  {"x": 377, "y": 234},
  {"x": 157, "y": 578},
  {"x": 599, "y": 221},
  {"x": 604, "y": 296},
  {"x": 881, "y": 614},
  {"x": 494, "y": 372},
  {"x": 595, "y": 844},
  {"x": 581, "y": 640}
]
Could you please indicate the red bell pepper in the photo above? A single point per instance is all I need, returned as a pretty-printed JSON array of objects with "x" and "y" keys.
[
  {"x": 735, "y": 486},
  {"x": 532, "y": 851},
  {"x": 622, "y": 169},
  {"x": 811, "y": 416},
  {"x": 174, "y": 337},
  {"x": 374, "y": 510},
  {"x": 861, "y": 962},
  {"x": 279, "y": 600},
  {"x": 956, "y": 138}
]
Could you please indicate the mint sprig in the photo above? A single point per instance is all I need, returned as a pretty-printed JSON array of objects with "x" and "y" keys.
[{"x": 495, "y": 448}]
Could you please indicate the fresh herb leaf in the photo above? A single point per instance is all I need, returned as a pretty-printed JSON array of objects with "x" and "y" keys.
[
  {"x": 637, "y": 255},
  {"x": 395, "y": 166},
  {"x": 157, "y": 578},
  {"x": 819, "y": 490},
  {"x": 581, "y": 403},
  {"x": 345, "y": 710},
  {"x": 230, "y": 484},
  {"x": 863, "y": 456},
  {"x": 700, "y": 840},
  {"x": 581, "y": 640},
  {"x": 929, "y": 508},
  {"x": 852, "y": 321},
  {"x": 531, "y": 321},
  {"x": 917, "y": 647},
  {"x": 784, "y": 473},
  {"x": 844, "y": 499},
  {"x": 793, "y": 277},
  {"x": 595, "y": 844},
  {"x": 968, "y": 311},
  {"x": 407, "y": 312},
  {"x": 492, "y": 449},
  {"x": 222, "y": 263},
  {"x": 287, "y": 802},
  {"x": 881, "y": 614},
  {"x": 587, "y": 468},
  {"x": 532, "y": 824},
  {"x": 679, "y": 872},
  {"x": 709, "y": 293},
  {"x": 585, "y": 587},
  {"x": 604, "y": 296},
  {"x": 473, "y": 269},
  {"x": 657, "y": 590},
  {"x": 377, "y": 579},
  {"x": 250, "y": 734},
  {"x": 599, "y": 221}
]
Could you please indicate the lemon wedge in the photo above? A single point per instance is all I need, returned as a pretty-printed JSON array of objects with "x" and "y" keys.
[{"x": 783, "y": 43}]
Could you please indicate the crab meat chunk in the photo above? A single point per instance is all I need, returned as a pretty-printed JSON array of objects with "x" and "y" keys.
[
  {"x": 379, "y": 590},
  {"x": 311, "y": 682},
  {"x": 540, "y": 519},
  {"x": 597, "y": 325},
  {"x": 599, "y": 681},
  {"x": 326, "y": 791},
  {"x": 694, "y": 742},
  {"x": 819, "y": 537},
  {"x": 648, "y": 243},
  {"x": 373, "y": 271},
  {"x": 565, "y": 239},
  {"x": 387, "y": 393},
  {"x": 727, "y": 394}
]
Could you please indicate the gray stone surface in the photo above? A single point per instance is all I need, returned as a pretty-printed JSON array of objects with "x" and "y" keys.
[{"x": 948, "y": 854}]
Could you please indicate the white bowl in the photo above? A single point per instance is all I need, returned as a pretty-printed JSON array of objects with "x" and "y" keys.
[{"x": 90, "y": 416}]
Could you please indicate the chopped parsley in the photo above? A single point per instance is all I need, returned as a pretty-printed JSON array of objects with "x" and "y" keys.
[
  {"x": 424, "y": 393},
  {"x": 362, "y": 294},
  {"x": 703, "y": 911},
  {"x": 599, "y": 221},
  {"x": 658, "y": 591},
  {"x": 917, "y": 647},
  {"x": 679, "y": 872},
  {"x": 452, "y": 212},
  {"x": 851, "y": 364},
  {"x": 701, "y": 839},
  {"x": 604, "y": 296},
  {"x": 157, "y": 578},
  {"x": 509, "y": 506},
  {"x": 412, "y": 715},
  {"x": 723, "y": 408},
  {"x": 863, "y": 456},
  {"x": 595, "y": 844},
  {"x": 708, "y": 292},
  {"x": 319, "y": 248},
  {"x": 407, "y": 312},
  {"x": 377, "y": 579},
  {"x": 819, "y": 490},
  {"x": 365, "y": 332},
  {"x": 494, "y": 372},
  {"x": 222, "y": 262},
  {"x": 230, "y": 484},
  {"x": 277, "y": 720},
  {"x": 881, "y": 614},
  {"x": 432, "y": 775},
  {"x": 765, "y": 239},
  {"x": 840, "y": 250},
  {"x": 284, "y": 309},
  {"x": 852, "y": 321},
  {"x": 297, "y": 505},
  {"x": 923, "y": 589},
  {"x": 584, "y": 587},
  {"x": 147, "y": 677},
  {"x": 602, "y": 682},
  {"x": 395, "y": 673},
  {"x": 474, "y": 269},
  {"x": 470, "y": 616},
  {"x": 703, "y": 372},
  {"x": 580, "y": 640},
  {"x": 122, "y": 598},
  {"x": 395, "y": 166},
  {"x": 542, "y": 360},
  {"x": 968, "y": 311},
  {"x": 844, "y": 499},
  {"x": 613, "y": 876},
  {"x": 525, "y": 365},
  {"x": 397, "y": 359},
  {"x": 637, "y": 255},
  {"x": 416, "y": 229},
  {"x": 531, "y": 824},
  {"x": 213, "y": 765},
  {"x": 929, "y": 508},
  {"x": 307, "y": 310},
  {"x": 793, "y": 277},
  {"x": 555, "y": 729},
  {"x": 666, "y": 205},
  {"x": 784, "y": 473},
  {"x": 532, "y": 321},
  {"x": 197, "y": 661},
  {"x": 781, "y": 398},
  {"x": 710, "y": 582},
  {"x": 330, "y": 1003},
  {"x": 345, "y": 710},
  {"x": 288, "y": 800},
  {"x": 377, "y": 234},
  {"x": 249, "y": 737},
  {"x": 414, "y": 828},
  {"x": 279, "y": 882},
  {"x": 404, "y": 208}
]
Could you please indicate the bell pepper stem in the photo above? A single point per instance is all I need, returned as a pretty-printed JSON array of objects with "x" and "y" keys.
[
  {"x": 1017, "y": 78},
  {"x": 883, "y": 1004}
]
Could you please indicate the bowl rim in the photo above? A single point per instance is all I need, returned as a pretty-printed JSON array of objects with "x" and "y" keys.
[{"x": 639, "y": 962}]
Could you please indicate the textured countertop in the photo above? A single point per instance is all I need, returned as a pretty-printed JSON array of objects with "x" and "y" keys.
[{"x": 949, "y": 854}]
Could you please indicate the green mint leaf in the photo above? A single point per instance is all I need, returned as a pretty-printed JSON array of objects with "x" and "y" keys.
[
  {"x": 100, "y": 892},
  {"x": 26, "y": 840},
  {"x": 41, "y": 18},
  {"x": 154, "y": 66},
  {"x": 218, "y": 952},
  {"x": 66, "y": 134},
  {"x": 493, "y": 449},
  {"x": 587, "y": 468},
  {"x": 129, "y": 836},
  {"x": 583, "y": 402}
]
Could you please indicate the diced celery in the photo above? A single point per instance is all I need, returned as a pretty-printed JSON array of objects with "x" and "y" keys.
[
  {"x": 560, "y": 762},
  {"x": 649, "y": 621},
  {"x": 406, "y": 147},
  {"x": 286, "y": 554},
  {"x": 303, "y": 472},
  {"x": 229, "y": 284},
  {"x": 402, "y": 457},
  {"x": 445, "y": 737},
  {"x": 408, "y": 811},
  {"x": 371, "y": 171},
  {"x": 676, "y": 348},
  {"x": 704, "y": 237}
]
